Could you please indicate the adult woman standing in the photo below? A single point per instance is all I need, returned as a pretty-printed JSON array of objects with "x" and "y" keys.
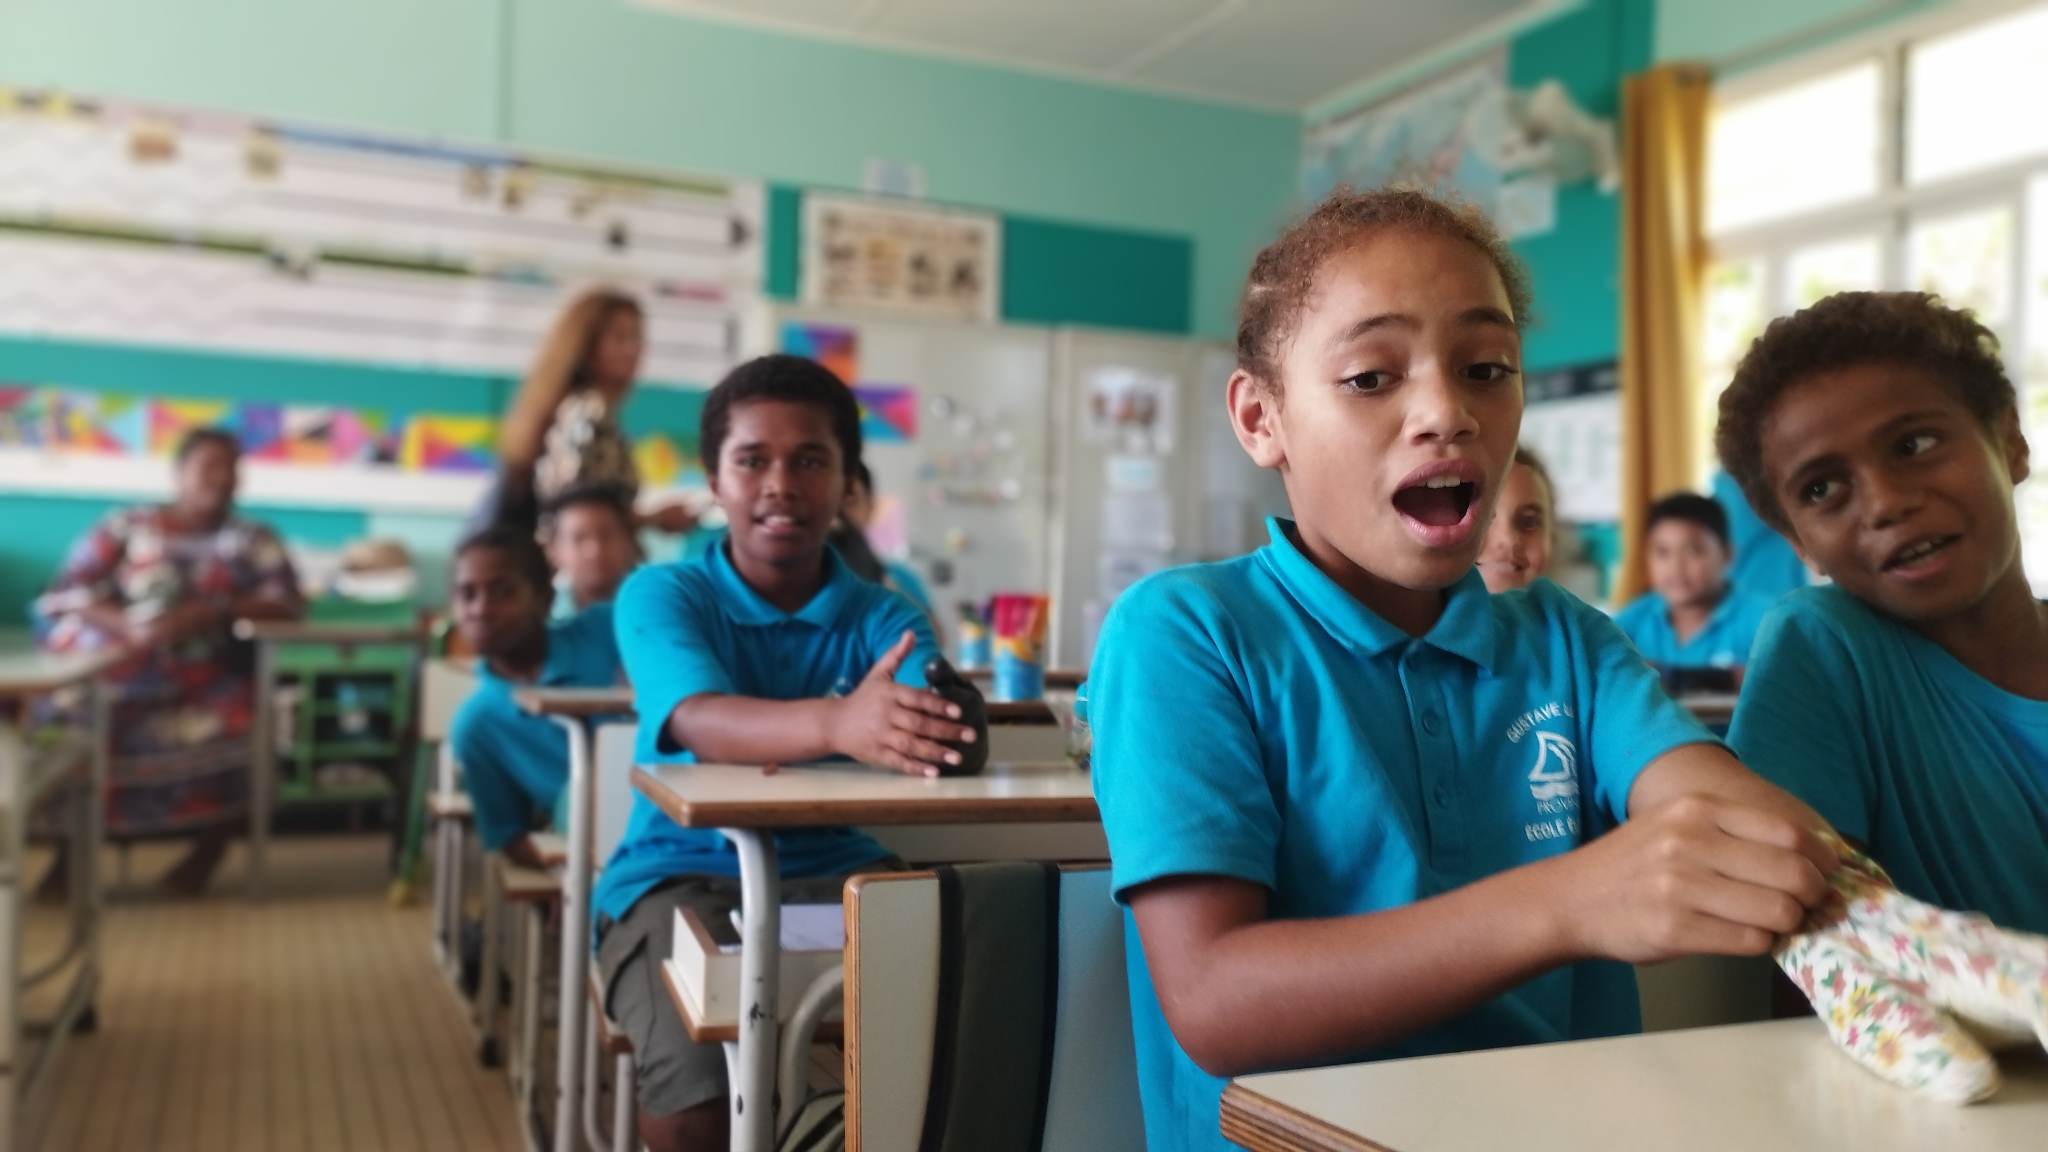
[
  {"x": 563, "y": 431},
  {"x": 169, "y": 582}
]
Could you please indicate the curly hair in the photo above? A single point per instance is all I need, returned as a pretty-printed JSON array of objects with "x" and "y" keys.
[
  {"x": 1851, "y": 328},
  {"x": 1284, "y": 273},
  {"x": 790, "y": 379}
]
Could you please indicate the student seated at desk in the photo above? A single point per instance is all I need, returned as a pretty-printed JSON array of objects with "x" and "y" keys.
[
  {"x": 1691, "y": 617},
  {"x": 767, "y": 650},
  {"x": 514, "y": 763},
  {"x": 1524, "y": 527},
  {"x": 592, "y": 546},
  {"x": 1351, "y": 798},
  {"x": 1908, "y": 702}
]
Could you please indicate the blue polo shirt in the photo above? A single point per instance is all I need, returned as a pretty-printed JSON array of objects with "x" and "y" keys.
[
  {"x": 1940, "y": 773},
  {"x": 1724, "y": 642},
  {"x": 514, "y": 763},
  {"x": 1764, "y": 563},
  {"x": 696, "y": 627},
  {"x": 1253, "y": 720}
]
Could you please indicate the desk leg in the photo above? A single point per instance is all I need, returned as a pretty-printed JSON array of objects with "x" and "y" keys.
[
  {"x": 753, "y": 1089},
  {"x": 262, "y": 763},
  {"x": 576, "y": 923},
  {"x": 95, "y": 827}
]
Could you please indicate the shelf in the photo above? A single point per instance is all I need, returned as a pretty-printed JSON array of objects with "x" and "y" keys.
[{"x": 294, "y": 793}]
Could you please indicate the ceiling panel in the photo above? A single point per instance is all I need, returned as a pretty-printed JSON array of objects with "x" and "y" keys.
[{"x": 1287, "y": 54}]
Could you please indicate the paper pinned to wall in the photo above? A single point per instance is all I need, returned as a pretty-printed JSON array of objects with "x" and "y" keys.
[{"x": 1130, "y": 409}]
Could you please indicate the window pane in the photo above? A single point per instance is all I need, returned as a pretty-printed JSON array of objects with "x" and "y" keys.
[
  {"x": 1971, "y": 97},
  {"x": 2030, "y": 373},
  {"x": 1801, "y": 147},
  {"x": 1734, "y": 307},
  {"x": 1967, "y": 260},
  {"x": 1835, "y": 266}
]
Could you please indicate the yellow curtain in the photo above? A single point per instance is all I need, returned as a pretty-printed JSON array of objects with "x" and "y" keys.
[{"x": 1663, "y": 258}]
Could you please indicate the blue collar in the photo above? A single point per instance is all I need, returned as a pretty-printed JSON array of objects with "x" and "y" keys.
[
  {"x": 1467, "y": 628},
  {"x": 738, "y": 600}
]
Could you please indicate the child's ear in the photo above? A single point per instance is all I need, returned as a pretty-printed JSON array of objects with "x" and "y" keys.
[
  {"x": 1255, "y": 417},
  {"x": 2013, "y": 441}
]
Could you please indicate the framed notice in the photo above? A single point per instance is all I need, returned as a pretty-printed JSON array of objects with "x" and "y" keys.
[{"x": 903, "y": 258}]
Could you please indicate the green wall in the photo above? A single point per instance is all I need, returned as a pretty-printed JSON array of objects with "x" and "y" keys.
[
  {"x": 610, "y": 80},
  {"x": 1576, "y": 268}
]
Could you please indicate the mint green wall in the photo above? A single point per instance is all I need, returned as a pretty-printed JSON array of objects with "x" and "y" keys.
[
  {"x": 1576, "y": 267},
  {"x": 610, "y": 80}
]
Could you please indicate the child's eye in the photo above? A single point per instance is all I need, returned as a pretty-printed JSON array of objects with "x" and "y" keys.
[
  {"x": 1367, "y": 382},
  {"x": 1490, "y": 373},
  {"x": 1819, "y": 491},
  {"x": 1918, "y": 444}
]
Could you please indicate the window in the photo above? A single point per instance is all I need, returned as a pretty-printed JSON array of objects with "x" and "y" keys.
[{"x": 1891, "y": 168}]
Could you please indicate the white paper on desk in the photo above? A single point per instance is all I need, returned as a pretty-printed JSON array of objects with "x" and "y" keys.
[{"x": 805, "y": 928}]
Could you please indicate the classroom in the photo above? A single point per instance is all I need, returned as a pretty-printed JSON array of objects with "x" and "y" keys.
[{"x": 985, "y": 576}]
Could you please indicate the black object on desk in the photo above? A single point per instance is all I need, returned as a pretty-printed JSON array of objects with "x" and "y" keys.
[{"x": 946, "y": 680}]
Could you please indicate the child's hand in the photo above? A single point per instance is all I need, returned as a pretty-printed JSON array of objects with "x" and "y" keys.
[
  {"x": 1696, "y": 875},
  {"x": 895, "y": 725}
]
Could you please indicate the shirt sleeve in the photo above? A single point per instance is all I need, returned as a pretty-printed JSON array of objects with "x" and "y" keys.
[
  {"x": 661, "y": 624},
  {"x": 502, "y": 810},
  {"x": 1632, "y": 721},
  {"x": 1796, "y": 726},
  {"x": 1179, "y": 775}
]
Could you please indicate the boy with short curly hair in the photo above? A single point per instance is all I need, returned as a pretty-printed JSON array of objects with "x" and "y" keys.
[{"x": 1907, "y": 702}]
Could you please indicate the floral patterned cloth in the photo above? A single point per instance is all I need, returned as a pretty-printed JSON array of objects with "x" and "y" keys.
[
  {"x": 181, "y": 713},
  {"x": 585, "y": 449},
  {"x": 1915, "y": 993}
]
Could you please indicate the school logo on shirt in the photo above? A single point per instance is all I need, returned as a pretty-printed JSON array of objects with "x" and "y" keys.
[
  {"x": 1553, "y": 777},
  {"x": 1556, "y": 774}
]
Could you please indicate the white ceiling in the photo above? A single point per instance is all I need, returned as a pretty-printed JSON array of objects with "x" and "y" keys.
[{"x": 1282, "y": 54}]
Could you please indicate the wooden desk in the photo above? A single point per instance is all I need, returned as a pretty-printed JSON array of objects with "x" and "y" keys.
[
  {"x": 577, "y": 711},
  {"x": 268, "y": 636},
  {"x": 1774, "y": 1085},
  {"x": 748, "y": 805},
  {"x": 28, "y": 770},
  {"x": 1056, "y": 679}
]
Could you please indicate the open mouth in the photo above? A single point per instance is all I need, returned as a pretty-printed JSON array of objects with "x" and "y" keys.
[
  {"x": 1438, "y": 502},
  {"x": 780, "y": 523},
  {"x": 1920, "y": 553}
]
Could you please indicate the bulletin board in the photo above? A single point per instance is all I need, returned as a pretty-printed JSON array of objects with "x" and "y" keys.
[{"x": 148, "y": 226}]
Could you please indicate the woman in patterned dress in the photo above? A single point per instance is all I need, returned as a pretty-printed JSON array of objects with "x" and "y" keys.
[
  {"x": 169, "y": 582},
  {"x": 562, "y": 431}
]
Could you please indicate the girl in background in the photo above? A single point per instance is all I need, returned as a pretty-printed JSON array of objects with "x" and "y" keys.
[{"x": 563, "y": 428}]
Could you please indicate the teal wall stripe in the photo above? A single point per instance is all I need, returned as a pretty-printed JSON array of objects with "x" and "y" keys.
[
  {"x": 1060, "y": 273},
  {"x": 785, "y": 221}
]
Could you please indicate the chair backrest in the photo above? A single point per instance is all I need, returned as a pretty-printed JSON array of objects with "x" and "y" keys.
[
  {"x": 444, "y": 685},
  {"x": 900, "y": 1025},
  {"x": 612, "y": 765}
]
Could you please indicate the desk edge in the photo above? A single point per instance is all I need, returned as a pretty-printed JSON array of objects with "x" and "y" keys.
[
  {"x": 898, "y": 812},
  {"x": 1263, "y": 1124}
]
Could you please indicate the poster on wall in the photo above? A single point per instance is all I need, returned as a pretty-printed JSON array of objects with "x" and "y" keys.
[
  {"x": 901, "y": 258},
  {"x": 1573, "y": 422},
  {"x": 1129, "y": 410},
  {"x": 1445, "y": 135},
  {"x": 182, "y": 231}
]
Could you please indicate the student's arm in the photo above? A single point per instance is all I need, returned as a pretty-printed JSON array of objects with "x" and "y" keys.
[
  {"x": 880, "y": 722},
  {"x": 1242, "y": 992},
  {"x": 680, "y": 684}
]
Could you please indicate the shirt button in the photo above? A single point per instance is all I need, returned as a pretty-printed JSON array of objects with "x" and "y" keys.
[{"x": 1432, "y": 723}]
